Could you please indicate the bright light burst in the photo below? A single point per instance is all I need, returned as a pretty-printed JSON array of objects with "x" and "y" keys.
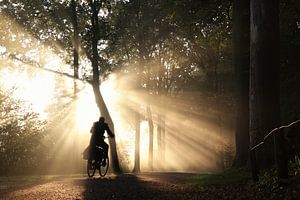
[
  {"x": 86, "y": 110},
  {"x": 35, "y": 89}
]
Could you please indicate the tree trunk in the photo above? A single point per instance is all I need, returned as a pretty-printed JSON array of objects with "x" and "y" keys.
[
  {"x": 75, "y": 38},
  {"x": 150, "y": 124},
  {"x": 73, "y": 13},
  {"x": 163, "y": 138},
  {"x": 161, "y": 92},
  {"x": 98, "y": 97},
  {"x": 159, "y": 140},
  {"x": 241, "y": 48},
  {"x": 136, "y": 168},
  {"x": 112, "y": 142},
  {"x": 75, "y": 43},
  {"x": 264, "y": 81},
  {"x": 217, "y": 96}
]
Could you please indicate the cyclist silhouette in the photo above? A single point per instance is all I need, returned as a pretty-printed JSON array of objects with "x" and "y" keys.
[{"x": 97, "y": 138}]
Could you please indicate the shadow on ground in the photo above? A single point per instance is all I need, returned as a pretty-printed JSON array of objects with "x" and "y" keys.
[{"x": 125, "y": 186}]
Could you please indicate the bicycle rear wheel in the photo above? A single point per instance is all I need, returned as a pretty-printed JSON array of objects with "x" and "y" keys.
[
  {"x": 103, "y": 169},
  {"x": 91, "y": 167}
]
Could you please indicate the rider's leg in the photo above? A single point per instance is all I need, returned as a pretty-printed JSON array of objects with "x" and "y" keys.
[
  {"x": 105, "y": 151},
  {"x": 91, "y": 152},
  {"x": 105, "y": 148}
]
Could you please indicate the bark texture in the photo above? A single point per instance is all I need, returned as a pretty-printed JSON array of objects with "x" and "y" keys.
[
  {"x": 241, "y": 48},
  {"x": 137, "y": 168},
  {"x": 150, "y": 124},
  {"x": 264, "y": 81},
  {"x": 75, "y": 38}
]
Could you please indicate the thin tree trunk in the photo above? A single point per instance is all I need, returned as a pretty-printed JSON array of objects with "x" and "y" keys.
[
  {"x": 75, "y": 67},
  {"x": 241, "y": 47},
  {"x": 159, "y": 149},
  {"x": 217, "y": 90},
  {"x": 161, "y": 94},
  {"x": 98, "y": 97},
  {"x": 264, "y": 81},
  {"x": 75, "y": 43},
  {"x": 150, "y": 124},
  {"x": 75, "y": 38},
  {"x": 163, "y": 139},
  {"x": 136, "y": 168}
]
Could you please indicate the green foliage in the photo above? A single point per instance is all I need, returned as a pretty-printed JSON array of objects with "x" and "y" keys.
[
  {"x": 21, "y": 133},
  {"x": 46, "y": 22},
  {"x": 124, "y": 159},
  {"x": 269, "y": 187},
  {"x": 233, "y": 176},
  {"x": 268, "y": 178},
  {"x": 294, "y": 166},
  {"x": 237, "y": 184},
  {"x": 178, "y": 47}
]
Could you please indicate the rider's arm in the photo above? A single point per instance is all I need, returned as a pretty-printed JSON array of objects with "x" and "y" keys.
[{"x": 109, "y": 131}]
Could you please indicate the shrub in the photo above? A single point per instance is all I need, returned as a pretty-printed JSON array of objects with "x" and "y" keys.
[{"x": 21, "y": 133}]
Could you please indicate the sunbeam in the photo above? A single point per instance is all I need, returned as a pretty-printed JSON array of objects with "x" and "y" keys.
[
  {"x": 191, "y": 144},
  {"x": 191, "y": 141}
]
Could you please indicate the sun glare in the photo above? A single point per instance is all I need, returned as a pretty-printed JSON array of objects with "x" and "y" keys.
[
  {"x": 31, "y": 87},
  {"x": 86, "y": 110}
]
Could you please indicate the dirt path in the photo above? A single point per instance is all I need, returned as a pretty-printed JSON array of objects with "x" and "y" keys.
[{"x": 127, "y": 186}]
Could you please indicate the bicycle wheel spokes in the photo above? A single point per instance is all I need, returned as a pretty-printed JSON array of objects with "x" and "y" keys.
[
  {"x": 91, "y": 168},
  {"x": 104, "y": 168}
]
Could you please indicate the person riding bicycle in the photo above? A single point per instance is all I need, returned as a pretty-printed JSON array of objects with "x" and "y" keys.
[{"x": 97, "y": 138}]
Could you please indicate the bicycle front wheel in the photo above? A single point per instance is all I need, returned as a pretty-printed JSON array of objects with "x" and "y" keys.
[
  {"x": 91, "y": 167},
  {"x": 104, "y": 168}
]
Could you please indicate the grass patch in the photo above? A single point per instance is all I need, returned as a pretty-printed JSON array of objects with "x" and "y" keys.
[{"x": 233, "y": 176}]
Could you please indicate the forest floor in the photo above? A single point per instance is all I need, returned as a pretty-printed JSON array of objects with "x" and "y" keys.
[{"x": 145, "y": 186}]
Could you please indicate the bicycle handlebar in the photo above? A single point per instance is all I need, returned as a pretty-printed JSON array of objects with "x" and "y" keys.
[{"x": 104, "y": 137}]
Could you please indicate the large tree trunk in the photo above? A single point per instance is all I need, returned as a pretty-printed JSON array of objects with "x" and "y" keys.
[
  {"x": 264, "y": 81},
  {"x": 150, "y": 124},
  {"x": 136, "y": 168},
  {"x": 241, "y": 48},
  {"x": 112, "y": 142},
  {"x": 98, "y": 97}
]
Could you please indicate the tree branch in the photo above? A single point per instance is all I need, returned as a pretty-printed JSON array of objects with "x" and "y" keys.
[
  {"x": 38, "y": 66},
  {"x": 273, "y": 131}
]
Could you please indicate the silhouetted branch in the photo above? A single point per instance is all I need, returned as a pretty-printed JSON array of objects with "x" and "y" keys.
[
  {"x": 38, "y": 66},
  {"x": 253, "y": 159},
  {"x": 271, "y": 132}
]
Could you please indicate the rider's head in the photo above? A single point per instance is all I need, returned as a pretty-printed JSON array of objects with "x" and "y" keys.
[{"x": 101, "y": 119}]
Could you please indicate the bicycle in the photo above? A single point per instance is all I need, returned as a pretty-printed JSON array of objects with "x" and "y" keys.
[{"x": 101, "y": 163}]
